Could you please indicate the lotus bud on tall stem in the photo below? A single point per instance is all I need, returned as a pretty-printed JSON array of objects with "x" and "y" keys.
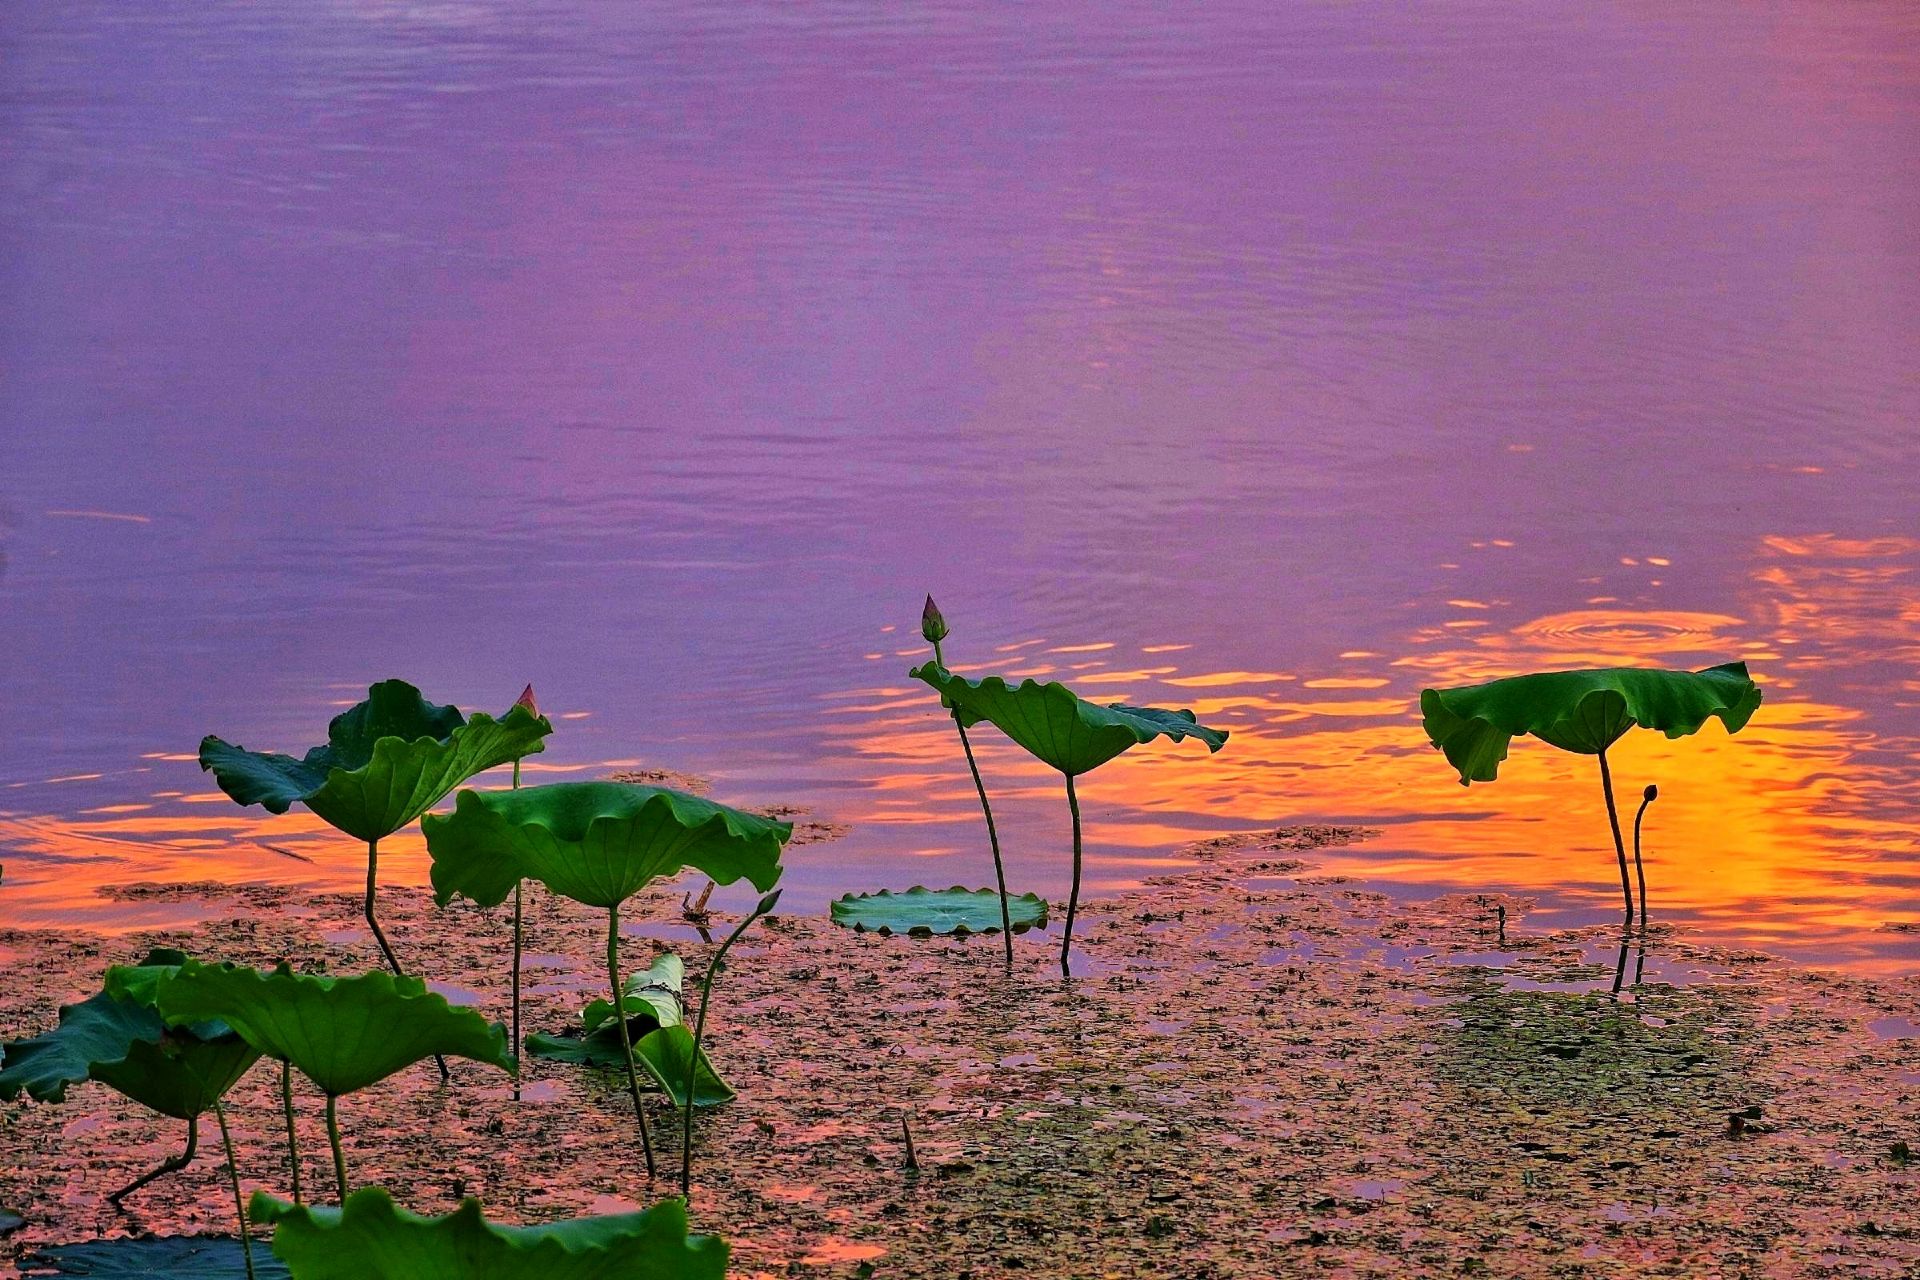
[
  {"x": 933, "y": 628},
  {"x": 525, "y": 700},
  {"x": 1619, "y": 845},
  {"x": 1647, "y": 797},
  {"x": 765, "y": 905}
]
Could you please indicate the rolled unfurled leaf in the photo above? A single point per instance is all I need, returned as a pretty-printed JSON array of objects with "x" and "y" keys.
[{"x": 933, "y": 627}]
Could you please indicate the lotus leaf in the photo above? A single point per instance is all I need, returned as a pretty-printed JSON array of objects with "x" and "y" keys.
[
  {"x": 1057, "y": 726},
  {"x": 371, "y": 1238},
  {"x": 927, "y": 912},
  {"x": 1584, "y": 712},
  {"x": 342, "y": 1033},
  {"x": 654, "y": 994},
  {"x": 598, "y": 843},
  {"x": 661, "y": 1052},
  {"x": 1060, "y": 728},
  {"x": 386, "y": 761},
  {"x": 151, "y": 1258},
  {"x": 119, "y": 1039}
]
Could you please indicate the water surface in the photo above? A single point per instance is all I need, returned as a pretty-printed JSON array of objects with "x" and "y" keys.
[{"x": 1274, "y": 361}]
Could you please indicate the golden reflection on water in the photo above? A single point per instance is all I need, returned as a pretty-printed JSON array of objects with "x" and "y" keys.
[{"x": 1799, "y": 831}]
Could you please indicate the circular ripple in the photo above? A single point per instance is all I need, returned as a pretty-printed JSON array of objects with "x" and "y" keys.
[{"x": 1628, "y": 631}]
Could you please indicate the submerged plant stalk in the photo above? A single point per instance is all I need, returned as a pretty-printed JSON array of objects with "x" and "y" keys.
[
  {"x": 626, "y": 1035},
  {"x": 171, "y": 1165},
  {"x": 233, "y": 1176},
  {"x": 293, "y": 1142},
  {"x": 1073, "y": 896},
  {"x": 765, "y": 905},
  {"x": 1619, "y": 845},
  {"x": 333, "y": 1138}
]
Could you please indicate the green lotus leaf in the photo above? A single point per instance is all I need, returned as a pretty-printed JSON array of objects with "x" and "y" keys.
[
  {"x": 119, "y": 1039},
  {"x": 1580, "y": 711},
  {"x": 151, "y": 1258},
  {"x": 925, "y": 912},
  {"x": 598, "y": 843},
  {"x": 652, "y": 996},
  {"x": 371, "y": 1238},
  {"x": 342, "y": 1033},
  {"x": 1056, "y": 725},
  {"x": 387, "y": 760},
  {"x": 661, "y": 1052}
]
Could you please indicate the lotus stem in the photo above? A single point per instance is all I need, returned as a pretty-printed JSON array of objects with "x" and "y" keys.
[
  {"x": 1647, "y": 797},
  {"x": 1619, "y": 845},
  {"x": 386, "y": 948},
  {"x": 339, "y": 1156},
  {"x": 293, "y": 1141},
  {"x": 165, "y": 1167},
  {"x": 233, "y": 1176},
  {"x": 993, "y": 840},
  {"x": 1620, "y": 964},
  {"x": 699, "y": 1035},
  {"x": 626, "y": 1036},
  {"x": 519, "y": 894},
  {"x": 993, "y": 833},
  {"x": 1073, "y": 897}
]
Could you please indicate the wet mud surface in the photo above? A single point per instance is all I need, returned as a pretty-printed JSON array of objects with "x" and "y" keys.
[{"x": 1257, "y": 1072}]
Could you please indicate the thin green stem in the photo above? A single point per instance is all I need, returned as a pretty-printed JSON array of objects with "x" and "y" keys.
[
  {"x": 293, "y": 1142},
  {"x": 1073, "y": 897},
  {"x": 1619, "y": 845},
  {"x": 993, "y": 839},
  {"x": 339, "y": 1156},
  {"x": 166, "y": 1167},
  {"x": 386, "y": 948},
  {"x": 626, "y": 1036},
  {"x": 519, "y": 894},
  {"x": 699, "y": 1035},
  {"x": 1639, "y": 868},
  {"x": 233, "y": 1176}
]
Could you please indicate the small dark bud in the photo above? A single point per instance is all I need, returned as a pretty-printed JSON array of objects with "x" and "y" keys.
[
  {"x": 933, "y": 627},
  {"x": 1652, "y": 793}
]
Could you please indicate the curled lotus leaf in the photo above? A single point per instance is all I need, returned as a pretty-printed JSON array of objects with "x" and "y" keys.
[
  {"x": 925, "y": 912},
  {"x": 341, "y": 1033},
  {"x": 598, "y": 843},
  {"x": 651, "y": 998},
  {"x": 1056, "y": 725},
  {"x": 661, "y": 1053},
  {"x": 386, "y": 760},
  {"x": 371, "y": 1238},
  {"x": 1584, "y": 712},
  {"x": 119, "y": 1039}
]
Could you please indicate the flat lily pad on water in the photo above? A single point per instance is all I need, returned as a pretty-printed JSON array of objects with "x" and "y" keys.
[
  {"x": 925, "y": 913},
  {"x": 153, "y": 1258}
]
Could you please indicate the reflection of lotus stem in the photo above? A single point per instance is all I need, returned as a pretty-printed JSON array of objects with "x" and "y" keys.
[
  {"x": 519, "y": 889},
  {"x": 1619, "y": 845},
  {"x": 699, "y": 1033},
  {"x": 233, "y": 1176},
  {"x": 393, "y": 961},
  {"x": 1620, "y": 965},
  {"x": 1647, "y": 798},
  {"x": 626, "y": 1036},
  {"x": 339, "y": 1157},
  {"x": 1073, "y": 898},
  {"x": 293, "y": 1143},
  {"x": 166, "y": 1167},
  {"x": 993, "y": 834}
]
